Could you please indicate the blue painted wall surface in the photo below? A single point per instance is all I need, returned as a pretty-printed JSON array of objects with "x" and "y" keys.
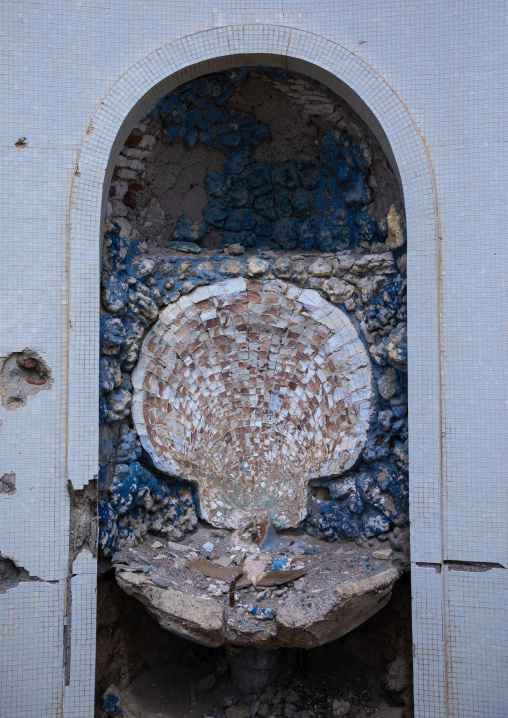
[{"x": 310, "y": 203}]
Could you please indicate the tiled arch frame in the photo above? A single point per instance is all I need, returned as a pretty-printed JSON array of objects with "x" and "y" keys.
[{"x": 383, "y": 110}]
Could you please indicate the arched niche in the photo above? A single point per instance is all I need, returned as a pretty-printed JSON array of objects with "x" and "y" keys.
[{"x": 388, "y": 118}]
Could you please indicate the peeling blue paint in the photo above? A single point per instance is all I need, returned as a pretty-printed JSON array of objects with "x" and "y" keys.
[{"x": 138, "y": 500}]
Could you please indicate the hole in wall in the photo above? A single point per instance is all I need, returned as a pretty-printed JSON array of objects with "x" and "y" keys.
[
  {"x": 83, "y": 532},
  {"x": 8, "y": 483},
  {"x": 23, "y": 374},
  {"x": 11, "y": 575},
  {"x": 253, "y": 369}
]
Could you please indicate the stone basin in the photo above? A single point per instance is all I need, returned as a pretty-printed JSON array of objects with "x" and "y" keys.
[
  {"x": 250, "y": 389},
  {"x": 343, "y": 585}
]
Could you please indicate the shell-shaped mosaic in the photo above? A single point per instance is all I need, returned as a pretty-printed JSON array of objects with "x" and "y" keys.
[{"x": 250, "y": 389}]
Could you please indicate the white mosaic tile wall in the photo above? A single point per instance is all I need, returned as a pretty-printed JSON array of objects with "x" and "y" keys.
[{"x": 427, "y": 79}]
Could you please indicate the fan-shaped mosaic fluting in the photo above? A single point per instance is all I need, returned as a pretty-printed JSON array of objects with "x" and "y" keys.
[{"x": 250, "y": 389}]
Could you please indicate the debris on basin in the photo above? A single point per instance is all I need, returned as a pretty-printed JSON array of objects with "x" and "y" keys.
[
  {"x": 263, "y": 614},
  {"x": 219, "y": 597},
  {"x": 212, "y": 569},
  {"x": 281, "y": 564},
  {"x": 278, "y": 578},
  {"x": 266, "y": 535}
]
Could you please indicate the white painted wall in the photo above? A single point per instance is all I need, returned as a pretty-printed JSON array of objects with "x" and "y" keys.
[{"x": 427, "y": 76}]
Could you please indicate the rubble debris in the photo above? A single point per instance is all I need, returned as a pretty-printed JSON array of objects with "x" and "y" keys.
[
  {"x": 275, "y": 577},
  {"x": 208, "y": 568},
  {"x": 215, "y": 605}
]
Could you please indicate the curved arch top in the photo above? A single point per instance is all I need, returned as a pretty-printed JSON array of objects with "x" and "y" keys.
[{"x": 217, "y": 49}]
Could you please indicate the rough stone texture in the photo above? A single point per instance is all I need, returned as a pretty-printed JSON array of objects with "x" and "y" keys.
[
  {"x": 251, "y": 669},
  {"x": 193, "y": 617},
  {"x": 250, "y": 389},
  {"x": 240, "y": 164},
  {"x": 84, "y": 520},
  {"x": 138, "y": 501}
]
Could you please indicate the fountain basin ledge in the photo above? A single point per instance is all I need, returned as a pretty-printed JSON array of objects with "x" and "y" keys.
[{"x": 340, "y": 590}]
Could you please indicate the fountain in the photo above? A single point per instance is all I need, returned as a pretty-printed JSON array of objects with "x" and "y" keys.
[
  {"x": 253, "y": 365},
  {"x": 251, "y": 389}
]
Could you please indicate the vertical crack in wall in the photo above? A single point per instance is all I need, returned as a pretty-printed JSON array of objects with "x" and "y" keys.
[{"x": 67, "y": 630}]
